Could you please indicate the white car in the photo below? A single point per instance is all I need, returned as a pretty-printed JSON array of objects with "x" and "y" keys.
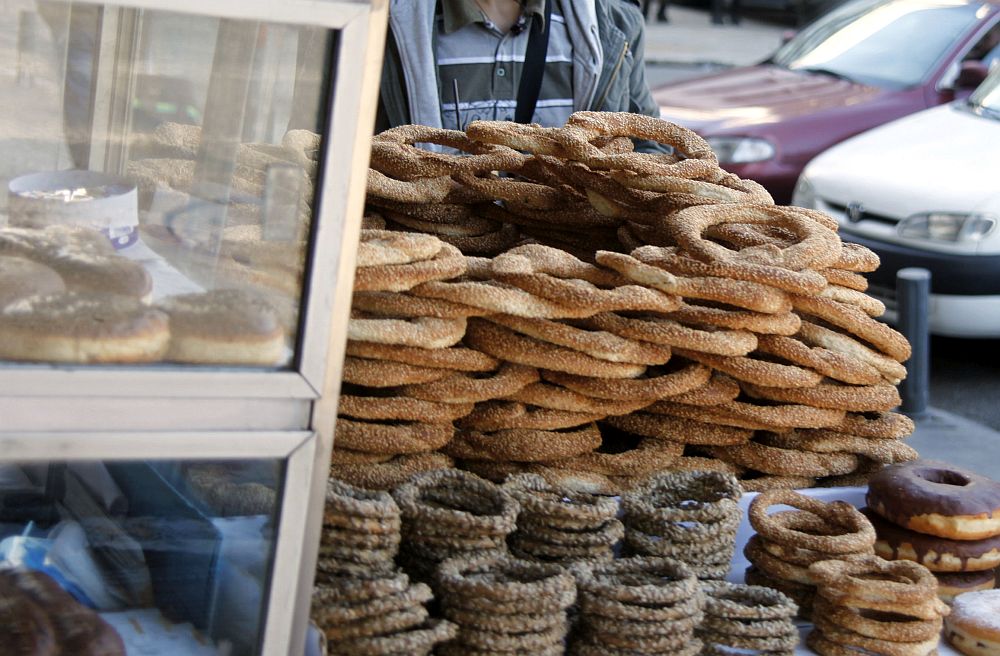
[{"x": 924, "y": 191}]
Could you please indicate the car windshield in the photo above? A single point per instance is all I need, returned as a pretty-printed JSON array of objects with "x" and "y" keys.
[
  {"x": 986, "y": 99},
  {"x": 892, "y": 43}
]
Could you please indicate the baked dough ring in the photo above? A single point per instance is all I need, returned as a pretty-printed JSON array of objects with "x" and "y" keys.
[
  {"x": 391, "y": 439},
  {"x": 856, "y": 322},
  {"x": 491, "y": 416},
  {"x": 595, "y": 343},
  {"x": 659, "y": 330},
  {"x": 506, "y": 344},
  {"x": 420, "y": 332},
  {"x": 836, "y": 396},
  {"x": 752, "y": 370},
  {"x": 556, "y": 397},
  {"x": 818, "y": 247},
  {"x": 448, "y": 263},
  {"x": 831, "y": 364},
  {"x": 524, "y": 445},
  {"x": 812, "y": 333},
  {"x": 386, "y": 373},
  {"x": 655, "y": 383},
  {"x": 468, "y": 388},
  {"x": 785, "y": 462},
  {"x": 382, "y": 247},
  {"x": 783, "y": 323},
  {"x": 680, "y": 430}
]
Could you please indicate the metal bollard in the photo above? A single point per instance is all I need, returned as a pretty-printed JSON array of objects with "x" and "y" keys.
[{"x": 913, "y": 288}]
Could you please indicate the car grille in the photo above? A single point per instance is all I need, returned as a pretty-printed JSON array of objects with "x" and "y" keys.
[{"x": 864, "y": 216}]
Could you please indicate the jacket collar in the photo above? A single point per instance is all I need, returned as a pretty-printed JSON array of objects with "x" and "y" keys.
[{"x": 459, "y": 13}]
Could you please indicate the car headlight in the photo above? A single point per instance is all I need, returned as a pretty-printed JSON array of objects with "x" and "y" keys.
[
  {"x": 741, "y": 150},
  {"x": 947, "y": 226},
  {"x": 804, "y": 194}
]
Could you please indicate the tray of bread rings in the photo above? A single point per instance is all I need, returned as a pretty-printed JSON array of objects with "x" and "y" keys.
[{"x": 737, "y": 573}]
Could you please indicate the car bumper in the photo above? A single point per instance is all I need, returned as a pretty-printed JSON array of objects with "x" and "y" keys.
[{"x": 965, "y": 289}]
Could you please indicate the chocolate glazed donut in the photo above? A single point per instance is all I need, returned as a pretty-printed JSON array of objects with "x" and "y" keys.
[
  {"x": 937, "y": 499},
  {"x": 935, "y": 553}
]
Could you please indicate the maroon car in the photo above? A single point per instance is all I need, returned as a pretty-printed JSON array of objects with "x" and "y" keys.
[{"x": 861, "y": 65}]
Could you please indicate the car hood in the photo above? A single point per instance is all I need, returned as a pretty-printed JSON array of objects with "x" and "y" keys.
[
  {"x": 753, "y": 95},
  {"x": 944, "y": 158}
]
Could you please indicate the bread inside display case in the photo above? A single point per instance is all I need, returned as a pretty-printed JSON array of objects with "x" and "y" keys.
[
  {"x": 161, "y": 174},
  {"x": 137, "y": 557}
]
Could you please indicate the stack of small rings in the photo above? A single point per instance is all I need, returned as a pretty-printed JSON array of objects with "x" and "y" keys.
[
  {"x": 450, "y": 512},
  {"x": 789, "y": 541},
  {"x": 875, "y": 606},
  {"x": 559, "y": 525},
  {"x": 741, "y": 616},
  {"x": 690, "y": 516},
  {"x": 503, "y": 605},
  {"x": 637, "y": 606},
  {"x": 362, "y": 603}
]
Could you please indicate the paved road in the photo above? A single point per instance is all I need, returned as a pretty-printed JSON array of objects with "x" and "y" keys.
[{"x": 964, "y": 378}]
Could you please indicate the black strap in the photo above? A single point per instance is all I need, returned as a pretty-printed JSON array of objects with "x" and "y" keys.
[{"x": 534, "y": 67}]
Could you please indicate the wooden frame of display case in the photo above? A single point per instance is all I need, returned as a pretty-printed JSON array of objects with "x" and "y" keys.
[{"x": 54, "y": 412}]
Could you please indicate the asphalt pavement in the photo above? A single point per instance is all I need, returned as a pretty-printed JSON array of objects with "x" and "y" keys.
[{"x": 691, "y": 44}]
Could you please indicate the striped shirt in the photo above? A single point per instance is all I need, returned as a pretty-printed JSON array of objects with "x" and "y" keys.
[{"x": 487, "y": 65}]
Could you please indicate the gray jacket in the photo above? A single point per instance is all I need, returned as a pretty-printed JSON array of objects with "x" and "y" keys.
[{"x": 608, "y": 66}]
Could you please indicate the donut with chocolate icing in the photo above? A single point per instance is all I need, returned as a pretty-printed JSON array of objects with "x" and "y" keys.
[
  {"x": 952, "y": 584},
  {"x": 973, "y": 627},
  {"x": 935, "y": 553},
  {"x": 937, "y": 499}
]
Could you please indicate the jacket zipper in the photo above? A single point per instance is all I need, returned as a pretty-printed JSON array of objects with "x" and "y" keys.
[{"x": 614, "y": 75}]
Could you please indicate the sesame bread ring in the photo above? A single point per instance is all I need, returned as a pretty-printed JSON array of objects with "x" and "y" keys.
[
  {"x": 816, "y": 246},
  {"x": 785, "y": 462},
  {"x": 652, "y": 384},
  {"x": 77, "y": 327},
  {"x": 871, "y": 583},
  {"x": 401, "y": 304},
  {"x": 736, "y": 601},
  {"x": 436, "y": 212},
  {"x": 739, "y": 293},
  {"x": 419, "y": 639},
  {"x": 852, "y": 640},
  {"x": 681, "y": 431},
  {"x": 833, "y": 395},
  {"x": 224, "y": 326},
  {"x": 499, "y": 415},
  {"x": 531, "y": 138},
  {"x": 847, "y": 279},
  {"x": 519, "y": 271},
  {"x": 382, "y": 247},
  {"x": 782, "y": 323},
  {"x": 400, "y": 408},
  {"x": 496, "y": 297},
  {"x": 867, "y": 304},
  {"x": 938, "y": 499},
  {"x": 678, "y": 263},
  {"x": 456, "y": 358},
  {"x": 831, "y": 364},
  {"x": 448, "y": 263},
  {"x": 391, "y": 438},
  {"x": 524, "y": 445},
  {"x": 386, "y": 373},
  {"x": 855, "y": 322},
  {"x": 502, "y": 343},
  {"x": 814, "y": 334},
  {"x": 421, "y": 332},
  {"x": 719, "y": 389},
  {"x": 21, "y": 278},
  {"x": 488, "y": 244},
  {"x": 473, "y": 388},
  {"x": 935, "y": 553},
  {"x": 582, "y": 128},
  {"x": 660, "y": 330},
  {"x": 394, "y": 152},
  {"x": 349, "y": 457},
  {"x": 751, "y": 369},
  {"x": 752, "y": 481},
  {"x": 595, "y": 343},
  {"x": 751, "y": 416},
  {"x": 856, "y": 258},
  {"x": 884, "y": 451},
  {"x": 876, "y": 425},
  {"x": 555, "y": 397},
  {"x": 473, "y": 226},
  {"x": 683, "y": 192},
  {"x": 420, "y": 190},
  {"x": 649, "y": 457},
  {"x": 847, "y": 529}
]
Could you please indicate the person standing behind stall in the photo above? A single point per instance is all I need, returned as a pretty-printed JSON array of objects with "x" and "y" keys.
[{"x": 450, "y": 62}]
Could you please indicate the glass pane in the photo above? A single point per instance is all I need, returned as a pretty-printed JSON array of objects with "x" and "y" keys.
[
  {"x": 160, "y": 172},
  {"x": 168, "y": 558}
]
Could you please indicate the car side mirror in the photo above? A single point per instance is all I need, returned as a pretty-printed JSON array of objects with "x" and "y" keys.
[
  {"x": 971, "y": 75},
  {"x": 787, "y": 35}
]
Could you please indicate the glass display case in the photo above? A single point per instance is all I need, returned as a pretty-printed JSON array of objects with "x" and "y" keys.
[{"x": 183, "y": 188}]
